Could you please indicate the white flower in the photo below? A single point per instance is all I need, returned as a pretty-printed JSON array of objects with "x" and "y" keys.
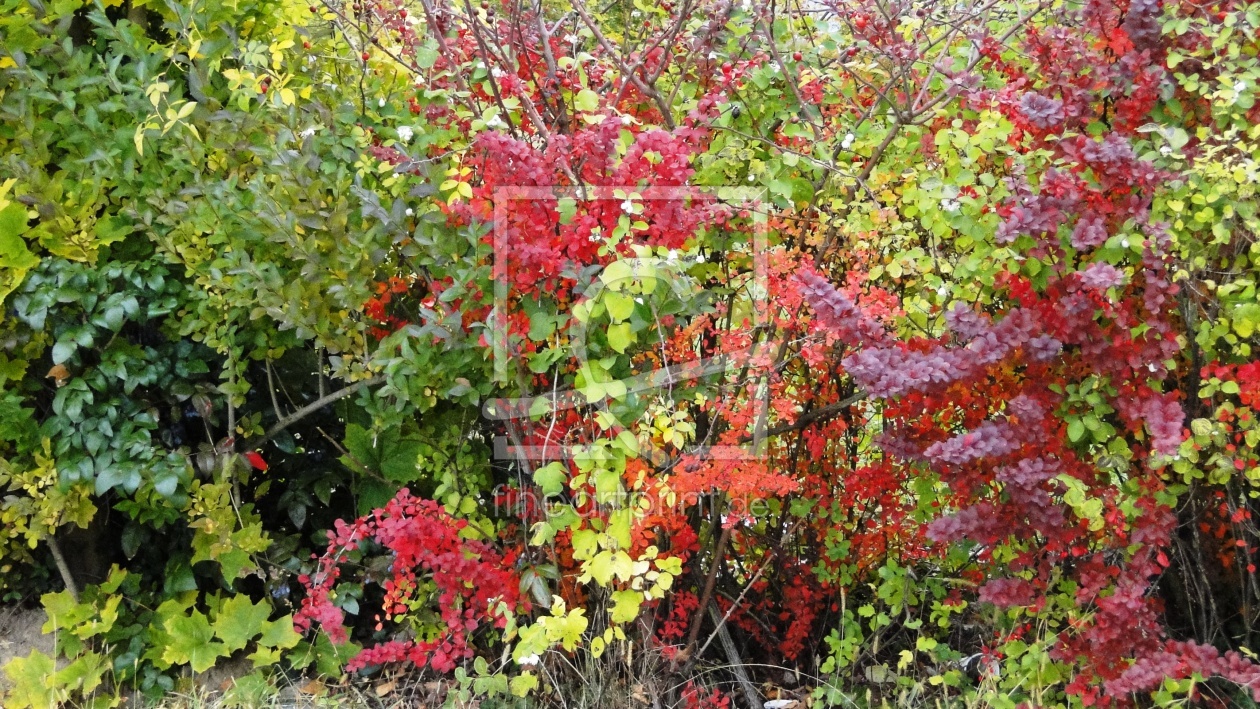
[
  {"x": 848, "y": 141},
  {"x": 381, "y": 103},
  {"x": 636, "y": 13},
  {"x": 713, "y": 55},
  {"x": 1165, "y": 150},
  {"x": 528, "y": 660},
  {"x": 699, "y": 258},
  {"x": 497, "y": 73},
  {"x": 494, "y": 122},
  {"x": 626, "y": 120},
  {"x": 751, "y": 177},
  {"x": 571, "y": 38},
  {"x": 950, "y": 205},
  {"x": 627, "y": 207},
  {"x": 1124, "y": 243},
  {"x": 672, "y": 256},
  {"x": 774, "y": 66},
  {"x": 308, "y": 132},
  {"x": 410, "y": 211},
  {"x": 1240, "y": 86},
  {"x": 405, "y": 133}
]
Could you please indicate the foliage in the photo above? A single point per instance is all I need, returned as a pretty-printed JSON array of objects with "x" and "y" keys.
[
  {"x": 113, "y": 641},
  {"x": 652, "y": 348}
]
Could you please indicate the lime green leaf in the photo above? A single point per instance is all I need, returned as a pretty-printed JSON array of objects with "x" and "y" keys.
[
  {"x": 239, "y": 620},
  {"x": 620, "y": 337},
  {"x": 620, "y": 306},
  {"x": 625, "y": 606},
  {"x": 522, "y": 684},
  {"x": 551, "y": 478},
  {"x": 28, "y": 676},
  {"x": 586, "y": 100},
  {"x": 192, "y": 642}
]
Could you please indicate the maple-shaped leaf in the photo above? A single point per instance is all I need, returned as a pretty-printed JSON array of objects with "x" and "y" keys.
[
  {"x": 192, "y": 642},
  {"x": 279, "y": 633},
  {"x": 239, "y": 620},
  {"x": 29, "y": 679}
]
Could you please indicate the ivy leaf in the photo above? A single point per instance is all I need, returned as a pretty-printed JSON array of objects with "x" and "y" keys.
[
  {"x": 569, "y": 628},
  {"x": 551, "y": 478}
]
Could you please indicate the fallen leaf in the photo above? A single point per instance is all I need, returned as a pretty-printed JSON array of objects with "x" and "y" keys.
[{"x": 59, "y": 374}]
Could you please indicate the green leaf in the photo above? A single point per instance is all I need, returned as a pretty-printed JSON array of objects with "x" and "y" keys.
[
  {"x": 629, "y": 442},
  {"x": 620, "y": 305},
  {"x": 1246, "y": 318},
  {"x": 551, "y": 478},
  {"x": 239, "y": 620},
  {"x": 1076, "y": 429},
  {"x": 114, "y": 229},
  {"x": 14, "y": 254},
  {"x": 28, "y": 676},
  {"x": 192, "y": 642},
  {"x": 617, "y": 275},
  {"x": 586, "y": 100},
  {"x": 626, "y": 606},
  {"x": 620, "y": 337},
  {"x": 279, "y": 633},
  {"x": 522, "y": 684},
  {"x": 62, "y": 351}
]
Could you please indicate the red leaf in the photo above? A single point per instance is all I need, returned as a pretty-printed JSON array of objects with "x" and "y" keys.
[{"x": 256, "y": 460}]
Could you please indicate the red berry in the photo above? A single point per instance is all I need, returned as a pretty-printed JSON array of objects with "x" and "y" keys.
[
  {"x": 306, "y": 45},
  {"x": 726, "y": 67},
  {"x": 797, "y": 56},
  {"x": 365, "y": 56}
]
